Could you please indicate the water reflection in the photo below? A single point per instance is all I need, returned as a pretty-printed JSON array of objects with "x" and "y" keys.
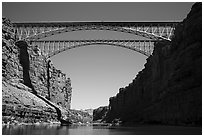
[
  {"x": 53, "y": 130},
  {"x": 48, "y": 129}
]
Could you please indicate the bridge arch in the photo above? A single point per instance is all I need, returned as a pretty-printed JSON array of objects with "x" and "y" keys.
[
  {"x": 51, "y": 47},
  {"x": 89, "y": 44}
]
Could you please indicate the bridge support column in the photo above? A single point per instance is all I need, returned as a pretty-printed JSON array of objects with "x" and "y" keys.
[{"x": 25, "y": 63}]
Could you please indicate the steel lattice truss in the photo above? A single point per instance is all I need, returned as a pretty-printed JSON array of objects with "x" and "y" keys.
[
  {"x": 50, "y": 48},
  {"x": 151, "y": 30}
]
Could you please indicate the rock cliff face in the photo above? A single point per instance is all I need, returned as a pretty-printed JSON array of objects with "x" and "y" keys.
[
  {"x": 100, "y": 113},
  {"x": 11, "y": 68},
  {"x": 21, "y": 106},
  {"x": 80, "y": 117},
  {"x": 18, "y": 104},
  {"x": 24, "y": 70},
  {"x": 169, "y": 89},
  {"x": 60, "y": 87}
]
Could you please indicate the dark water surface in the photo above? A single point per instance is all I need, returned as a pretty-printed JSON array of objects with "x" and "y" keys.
[{"x": 98, "y": 130}]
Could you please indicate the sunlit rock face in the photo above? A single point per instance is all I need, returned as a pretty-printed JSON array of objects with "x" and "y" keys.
[
  {"x": 25, "y": 69},
  {"x": 169, "y": 89},
  {"x": 60, "y": 87},
  {"x": 18, "y": 104},
  {"x": 11, "y": 68},
  {"x": 21, "y": 106}
]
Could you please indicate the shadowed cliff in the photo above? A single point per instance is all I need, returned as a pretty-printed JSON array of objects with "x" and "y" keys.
[{"x": 169, "y": 89}]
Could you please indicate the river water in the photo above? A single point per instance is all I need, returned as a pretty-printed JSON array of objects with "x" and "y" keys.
[{"x": 98, "y": 130}]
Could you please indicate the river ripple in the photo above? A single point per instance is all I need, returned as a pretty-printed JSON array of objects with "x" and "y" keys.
[{"x": 98, "y": 130}]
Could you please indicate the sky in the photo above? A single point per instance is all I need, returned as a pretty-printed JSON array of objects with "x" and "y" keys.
[{"x": 96, "y": 72}]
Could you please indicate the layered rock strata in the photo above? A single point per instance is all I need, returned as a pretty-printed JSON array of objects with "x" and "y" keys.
[{"x": 24, "y": 71}]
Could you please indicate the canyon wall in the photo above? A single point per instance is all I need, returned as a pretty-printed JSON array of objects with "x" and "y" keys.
[
  {"x": 169, "y": 89},
  {"x": 24, "y": 71},
  {"x": 100, "y": 113},
  {"x": 60, "y": 87}
]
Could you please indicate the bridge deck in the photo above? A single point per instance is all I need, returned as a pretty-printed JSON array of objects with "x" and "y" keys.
[{"x": 110, "y": 23}]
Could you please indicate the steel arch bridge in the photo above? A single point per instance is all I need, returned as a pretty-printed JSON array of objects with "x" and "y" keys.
[
  {"x": 33, "y": 32},
  {"x": 38, "y": 30},
  {"x": 50, "y": 48}
]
